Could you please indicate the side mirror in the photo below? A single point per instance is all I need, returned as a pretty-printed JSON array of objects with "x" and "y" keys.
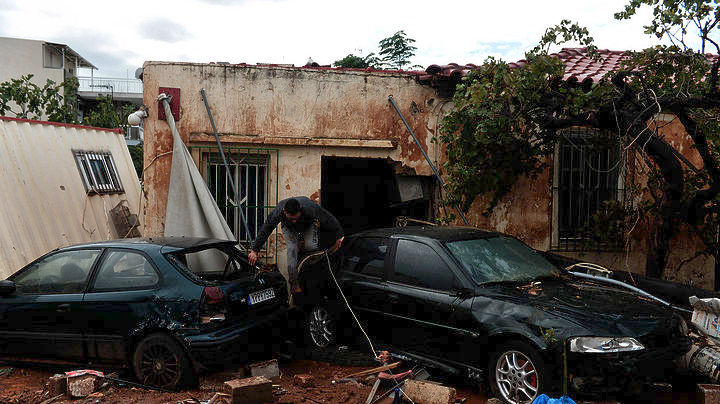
[{"x": 7, "y": 287}]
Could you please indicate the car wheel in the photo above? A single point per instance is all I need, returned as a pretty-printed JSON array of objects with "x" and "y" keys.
[
  {"x": 321, "y": 327},
  {"x": 517, "y": 373},
  {"x": 160, "y": 361}
]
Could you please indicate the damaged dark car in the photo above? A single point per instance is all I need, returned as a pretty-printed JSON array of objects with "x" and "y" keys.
[
  {"x": 486, "y": 306},
  {"x": 167, "y": 308}
]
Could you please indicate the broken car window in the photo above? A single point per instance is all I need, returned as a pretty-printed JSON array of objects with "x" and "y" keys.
[
  {"x": 125, "y": 270},
  {"x": 418, "y": 264},
  {"x": 63, "y": 272},
  {"x": 210, "y": 261},
  {"x": 501, "y": 259}
]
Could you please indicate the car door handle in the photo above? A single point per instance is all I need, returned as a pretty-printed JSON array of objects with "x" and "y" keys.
[{"x": 63, "y": 308}]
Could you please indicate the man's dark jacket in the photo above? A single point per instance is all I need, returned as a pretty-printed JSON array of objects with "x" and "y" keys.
[{"x": 311, "y": 211}]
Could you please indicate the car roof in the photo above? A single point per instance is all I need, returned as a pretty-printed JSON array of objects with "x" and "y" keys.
[
  {"x": 439, "y": 233},
  {"x": 176, "y": 243}
]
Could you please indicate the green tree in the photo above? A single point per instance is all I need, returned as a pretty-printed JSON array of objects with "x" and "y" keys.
[
  {"x": 25, "y": 99},
  {"x": 357, "y": 62},
  {"x": 521, "y": 112},
  {"x": 396, "y": 50}
]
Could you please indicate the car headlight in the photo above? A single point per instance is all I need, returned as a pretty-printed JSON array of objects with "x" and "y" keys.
[{"x": 604, "y": 344}]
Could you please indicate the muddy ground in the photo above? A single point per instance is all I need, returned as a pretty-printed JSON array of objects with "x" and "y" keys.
[{"x": 26, "y": 384}]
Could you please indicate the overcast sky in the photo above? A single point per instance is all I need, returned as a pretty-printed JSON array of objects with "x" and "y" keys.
[{"x": 119, "y": 36}]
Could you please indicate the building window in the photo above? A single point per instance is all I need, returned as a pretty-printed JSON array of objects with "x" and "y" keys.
[
  {"x": 586, "y": 175},
  {"x": 250, "y": 173},
  {"x": 98, "y": 172},
  {"x": 52, "y": 57}
]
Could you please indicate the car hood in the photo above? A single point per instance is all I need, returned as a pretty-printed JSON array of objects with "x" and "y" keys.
[{"x": 577, "y": 307}]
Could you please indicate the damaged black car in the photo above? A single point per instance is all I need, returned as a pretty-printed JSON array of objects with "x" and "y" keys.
[
  {"x": 488, "y": 307},
  {"x": 167, "y": 308}
]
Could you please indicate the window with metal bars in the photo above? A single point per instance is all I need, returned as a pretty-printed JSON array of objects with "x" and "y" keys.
[
  {"x": 250, "y": 173},
  {"x": 586, "y": 175},
  {"x": 98, "y": 172}
]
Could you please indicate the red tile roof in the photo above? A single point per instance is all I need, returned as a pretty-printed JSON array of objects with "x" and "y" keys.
[{"x": 577, "y": 64}]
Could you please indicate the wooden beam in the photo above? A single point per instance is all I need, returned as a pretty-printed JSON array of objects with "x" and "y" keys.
[{"x": 296, "y": 141}]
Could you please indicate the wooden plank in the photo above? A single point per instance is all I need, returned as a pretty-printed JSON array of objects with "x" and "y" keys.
[
  {"x": 373, "y": 391},
  {"x": 374, "y": 370},
  {"x": 296, "y": 141}
]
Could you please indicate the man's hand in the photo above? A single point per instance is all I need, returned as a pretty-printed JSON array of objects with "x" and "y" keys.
[
  {"x": 337, "y": 245},
  {"x": 252, "y": 258}
]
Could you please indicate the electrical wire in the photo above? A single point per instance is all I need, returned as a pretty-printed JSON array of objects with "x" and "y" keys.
[{"x": 327, "y": 256}]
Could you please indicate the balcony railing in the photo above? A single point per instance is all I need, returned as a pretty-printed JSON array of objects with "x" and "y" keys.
[{"x": 110, "y": 85}]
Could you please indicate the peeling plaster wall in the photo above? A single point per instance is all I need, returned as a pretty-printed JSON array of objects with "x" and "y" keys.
[
  {"x": 276, "y": 105},
  {"x": 526, "y": 212}
]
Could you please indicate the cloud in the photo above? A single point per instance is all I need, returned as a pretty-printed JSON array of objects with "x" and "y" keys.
[{"x": 163, "y": 29}]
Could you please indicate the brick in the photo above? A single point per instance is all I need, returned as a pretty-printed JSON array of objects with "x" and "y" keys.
[
  {"x": 304, "y": 380},
  {"x": 57, "y": 384},
  {"x": 269, "y": 369},
  {"x": 423, "y": 392},
  {"x": 81, "y": 386},
  {"x": 251, "y": 390},
  {"x": 709, "y": 393}
]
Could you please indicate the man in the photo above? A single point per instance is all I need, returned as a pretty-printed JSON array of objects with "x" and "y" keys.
[{"x": 301, "y": 218}]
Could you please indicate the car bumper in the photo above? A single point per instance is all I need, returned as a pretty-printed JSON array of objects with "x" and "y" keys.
[
  {"x": 613, "y": 372},
  {"x": 236, "y": 340}
]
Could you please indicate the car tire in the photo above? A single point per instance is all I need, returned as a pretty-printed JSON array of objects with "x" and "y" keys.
[
  {"x": 321, "y": 334},
  {"x": 160, "y": 361},
  {"x": 517, "y": 373}
]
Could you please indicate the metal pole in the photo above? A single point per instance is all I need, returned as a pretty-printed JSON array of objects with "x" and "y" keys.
[
  {"x": 229, "y": 177},
  {"x": 437, "y": 174}
]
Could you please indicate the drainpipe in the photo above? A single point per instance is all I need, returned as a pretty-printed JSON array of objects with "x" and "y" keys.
[{"x": 435, "y": 171}]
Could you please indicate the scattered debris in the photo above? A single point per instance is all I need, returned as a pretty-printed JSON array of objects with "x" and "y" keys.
[
  {"x": 710, "y": 393},
  {"x": 50, "y": 400},
  {"x": 372, "y": 371},
  {"x": 371, "y": 396},
  {"x": 269, "y": 369},
  {"x": 82, "y": 385},
  {"x": 250, "y": 390},
  {"x": 304, "y": 380},
  {"x": 6, "y": 371},
  {"x": 429, "y": 393},
  {"x": 220, "y": 398},
  {"x": 57, "y": 384}
]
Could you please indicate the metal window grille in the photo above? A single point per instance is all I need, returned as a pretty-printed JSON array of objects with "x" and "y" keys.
[
  {"x": 251, "y": 171},
  {"x": 98, "y": 172},
  {"x": 588, "y": 175}
]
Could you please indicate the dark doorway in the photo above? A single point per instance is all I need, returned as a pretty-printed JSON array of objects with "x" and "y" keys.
[{"x": 363, "y": 193}]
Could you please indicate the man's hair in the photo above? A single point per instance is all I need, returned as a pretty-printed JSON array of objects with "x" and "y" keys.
[{"x": 292, "y": 206}]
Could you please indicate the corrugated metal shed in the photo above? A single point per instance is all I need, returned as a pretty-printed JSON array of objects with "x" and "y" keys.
[{"x": 44, "y": 203}]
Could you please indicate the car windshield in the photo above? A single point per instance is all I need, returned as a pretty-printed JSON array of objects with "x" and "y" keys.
[{"x": 500, "y": 259}]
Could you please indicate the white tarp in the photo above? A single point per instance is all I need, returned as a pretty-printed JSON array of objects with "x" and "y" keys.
[{"x": 191, "y": 209}]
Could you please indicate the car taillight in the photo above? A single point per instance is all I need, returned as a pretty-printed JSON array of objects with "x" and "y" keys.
[{"x": 214, "y": 295}]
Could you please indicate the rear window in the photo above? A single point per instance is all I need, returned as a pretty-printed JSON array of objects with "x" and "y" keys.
[{"x": 210, "y": 263}]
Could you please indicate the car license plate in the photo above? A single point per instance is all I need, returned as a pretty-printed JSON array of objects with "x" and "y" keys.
[{"x": 261, "y": 296}]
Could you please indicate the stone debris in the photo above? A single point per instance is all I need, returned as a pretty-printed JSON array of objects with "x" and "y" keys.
[
  {"x": 250, "y": 390},
  {"x": 304, "y": 380},
  {"x": 81, "y": 386},
  {"x": 269, "y": 369},
  {"x": 424, "y": 392}
]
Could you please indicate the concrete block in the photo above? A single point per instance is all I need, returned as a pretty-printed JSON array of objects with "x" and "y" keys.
[
  {"x": 81, "y": 386},
  {"x": 269, "y": 369},
  {"x": 304, "y": 380},
  {"x": 57, "y": 384},
  {"x": 709, "y": 393},
  {"x": 252, "y": 390},
  {"x": 424, "y": 392}
]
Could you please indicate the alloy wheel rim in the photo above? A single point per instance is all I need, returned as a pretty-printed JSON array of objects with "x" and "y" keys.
[
  {"x": 516, "y": 377},
  {"x": 159, "y": 366},
  {"x": 321, "y": 327}
]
